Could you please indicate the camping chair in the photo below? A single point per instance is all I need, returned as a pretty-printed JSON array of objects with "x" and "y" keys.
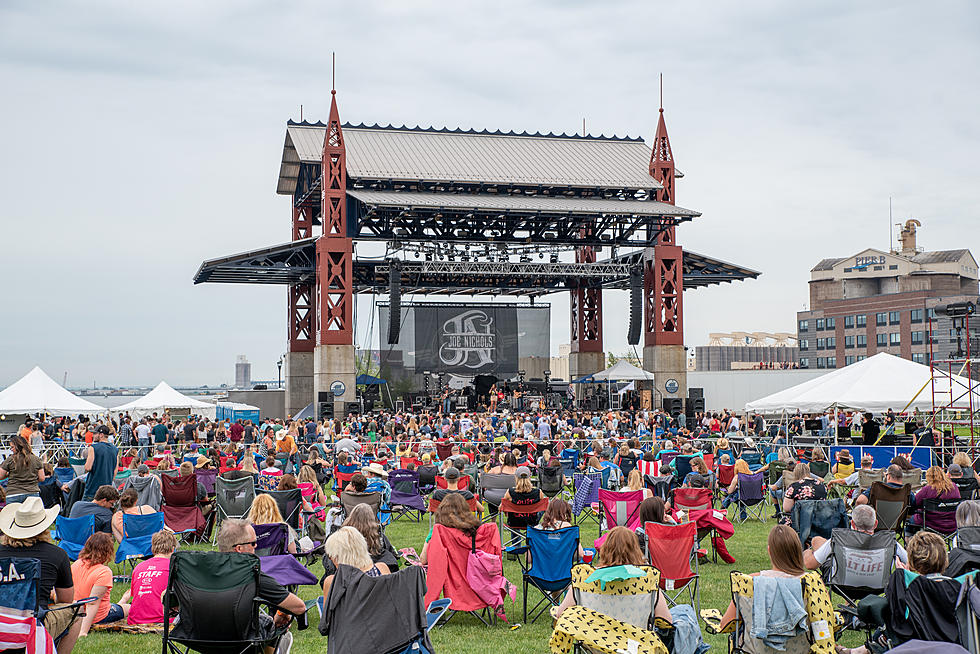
[
  {"x": 181, "y": 512},
  {"x": 441, "y": 482},
  {"x": 651, "y": 468},
  {"x": 64, "y": 475},
  {"x": 913, "y": 478},
  {"x": 78, "y": 465},
  {"x": 290, "y": 503},
  {"x": 71, "y": 533},
  {"x": 620, "y": 509},
  {"x": 751, "y": 496},
  {"x": 586, "y": 494},
  {"x": 492, "y": 489},
  {"x": 693, "y": 499},
  {"x": 935, "y": 508},
  {"x": 400, "y": 626},
  {"x": 50, "y": 493},
  {"x": 776, "y": 469},
  {"x": 207, "y": 477},
  {"x": 138, "y": 533},
  {"x": 551, "y": 480},
  {"x": 820, "y": 468},
  {"x": 818, "y": 518},
  {"x": 659, "y": 485},
  {"x": 569, "y": 460},
  {"x": 517, "y": 534},
  {"x": 867, "y": 477},
  {"x": 682, "y": 467},
  {"x": 448, "y": 561},
  {"x": 817, "y": 639},
  {"x": 607, "y": 616},
  {"x": 233, "y": 498},
  {"x": 405, "y": 495},
  {"x": 548, "y": 565},
  {"x": 219, "y": 610},
  {"x": 120, "y": 479},
  {"x": 444, "y": 450},
  {"x": 726, "y": 474},
  {"x": 341, "y": 479},
  {"x": 967, "y": 486},
  {"x": 859, "y": 564},
  {"x": 890, "y": 505},
  {"x": 271, "y": 546},
  {"x": 23, "y": 620},
  {"x": 753, "y": 458},
  {"x": 671, "y": 549},
  {"x": 666, "y": 458}
]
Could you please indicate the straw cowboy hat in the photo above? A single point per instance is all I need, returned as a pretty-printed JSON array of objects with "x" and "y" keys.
[
  {"x": 376, "y": 469},
  {"x": 27, "y": 519}
]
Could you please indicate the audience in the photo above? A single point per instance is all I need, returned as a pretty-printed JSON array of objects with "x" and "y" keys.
[
  {"x": 523, "y": 493},
  {"x": 149, "y": 581},
  {"x": 93, "y": 578},
  {"x": 347, "y": 546},
  {"x": 101, "y": 507},
  {"x": 265, "y": 511},
  {"x": 805, "y": 487},
  {"x": 128, "y": 505},
  {"x": 863, "y": 520},
  {"x": 938, "y": 486},
  {"x": 893, "y": 479}
]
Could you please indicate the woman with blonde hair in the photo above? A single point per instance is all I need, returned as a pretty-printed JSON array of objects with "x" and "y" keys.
[
  {"x": 363, "y": 519},
  {"x": 347, "y": 546},
  {"x": 635, "y": 483},
  {"x": 938, "y": 487},
  {"x": 962, "y": 459},
  {"x": 265, "y": 511},
  {"x": 308, "y": 476},
  {"x": 731, "y": 493}
]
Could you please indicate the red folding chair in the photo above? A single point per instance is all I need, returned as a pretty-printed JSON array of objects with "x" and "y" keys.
[
  {"x": 672, "y": 550},
  {"x": 621, "y": 509},
  {"x": 342, "y": 479},
  {"x": 181, "y": 512},
  {"x": 508, "y": 508},
  {"x": 692, "y": 499},
  {"x": 464, "y": 482}
]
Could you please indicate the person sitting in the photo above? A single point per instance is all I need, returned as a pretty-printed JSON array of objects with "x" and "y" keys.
[
  {"x": 938, "y": 486},
  {"x": 265, "y": 511},
  {"x": 731, "y": 493},
  {"x": 863, "y": 520},
  {"x": 654, "y": 510},
  {"x": 149, "y": 581},
  {"x": 452, "y": 486},
  {"x": 785, "y": 556},
  {"x": 893, "y": 479},
  {"x": 148, "y": 487},
  {"x": 101, "y": 507},
  {"x": 635, "y": 483},
  {"x": 377, "y": 481},
  {"x": 365, "y": 521},
  {"x": 804, "y": 487},
  {"x": 620, "y": 548},
  {"x": 701, "y": 468},
  {"x": 844, "y": 466},
  {"x": 853, "y": 479},
  {"x": 347, "y": 546},
  {"x": 455, "y": 513},
  {"x": 239, "y": 536},
  {"x": 128, "y": 505},
  {"x": 962, "y": 459},
  {"x": 93, "y": 578},
  {"x": 507, "y": 466},
  {"x": 523, "y": 493}
]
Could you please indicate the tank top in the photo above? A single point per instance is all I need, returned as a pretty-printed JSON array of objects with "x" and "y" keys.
[
  {"x": 844, "y": 471},
  {"x": 103, "y": 468}
]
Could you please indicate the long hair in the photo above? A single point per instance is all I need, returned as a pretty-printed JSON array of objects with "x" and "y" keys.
[
  {"x": 308, "y": 476},
  {"x": 801, "y": 471},
  {"x": 98, "y": 549},
  {"x": 635, "y": 482},
  {"x": 287, "y": 482},
  {"x": 968, "y": 514},
  {"x": 558, "y": 511},
  {"x": 523, "y": 485},
  {"x": 652, "y": 509},
  {"x": 785, "y": 550},
  {"x": 264, "y": 510},
  {"x": 742, "y": 466},
  {"x": 962, "y": 459},
  {"x": 621, "y": 548},
  {"x": 248, "y": 464},
  {"x": 362, "y": 518},
  {"x": 936, "y": 477},
  {"x": 21, "y": 450},
  {"x": 347, "y": 546},
  {"x": 454, "y": 512}
]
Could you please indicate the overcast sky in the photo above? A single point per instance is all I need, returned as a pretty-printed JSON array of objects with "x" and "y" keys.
[{"x": 142, "y": 138}]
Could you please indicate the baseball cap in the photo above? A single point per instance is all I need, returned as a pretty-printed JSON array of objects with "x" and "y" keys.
[
  {"x": 523, "y": 471},
  {"x": 955, "y": 469},
  {"x": 451, "y": 473}
]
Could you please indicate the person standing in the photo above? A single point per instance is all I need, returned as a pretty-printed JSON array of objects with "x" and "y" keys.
[
  {"x": 101, "y": 458},
  {"x": 126, "y": 437},
  {"x": 24, "y": 469},
  {"x": 160, "y": 432}
]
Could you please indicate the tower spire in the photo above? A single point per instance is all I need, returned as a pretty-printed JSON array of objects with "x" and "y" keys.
[{"x": 662, "y": 159}]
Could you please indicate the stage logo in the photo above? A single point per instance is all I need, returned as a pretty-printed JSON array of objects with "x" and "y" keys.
[{"x": 467, "y": 340}]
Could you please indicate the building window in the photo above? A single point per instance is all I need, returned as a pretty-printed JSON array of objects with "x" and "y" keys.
[
  {"x": 932, "y": 337},
  {"x": 894, "y": 317},
  {"x": 821, "y": 343},
  {"x": 862, "y": 357},
  {"x": 832, "y": 343},
  {"x": 892, "y": 267},
  {"x": 881, "y": 319},
  {"x": 831, "y": 362},
  {"x": 831, "y": 323},
  {"x": 918, "y": 338},
  {"x": 819, "y": 324},
  {"x": 804, "y": 362},
  {"x": 894, "y": 338},
  {"x": 804, "y": 344},
  {"x": 916, "y": 315},
  {"x": 848, "y": 322},
  {"x": 848, "y": 269},
  {"x": 879, "y": 267},
  {"x": 919, "y": 357},
  {"x": 930, "y": 313},
  {"x": 861, "y": 320},
  {"x": 848, "y": 342},
  {"x": 862, "y": 340},
  {"x": 821, "y": 362},
  {"x": 804, "y": 325},
  {"x": 848, "y": 360},
  {"x": 882, "y": 340}
]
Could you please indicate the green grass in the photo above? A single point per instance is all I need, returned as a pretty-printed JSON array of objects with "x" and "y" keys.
[{"x": 465, "y": 633}]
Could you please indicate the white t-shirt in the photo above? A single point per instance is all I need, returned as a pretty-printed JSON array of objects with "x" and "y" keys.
[
  {"x": 143, "y": 431},
  {"x": 822, "y": 553}
]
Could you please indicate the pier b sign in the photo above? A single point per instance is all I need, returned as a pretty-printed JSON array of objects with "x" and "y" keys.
[{"x": 338, "y": 388}]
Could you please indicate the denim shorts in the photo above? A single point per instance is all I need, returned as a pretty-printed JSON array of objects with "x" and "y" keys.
[
  {"x": 20, "y": 497},
  {"x": 115, "y": 613}
]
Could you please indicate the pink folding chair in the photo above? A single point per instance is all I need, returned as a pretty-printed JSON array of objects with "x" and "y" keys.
[{"x": 619, "y": 510}]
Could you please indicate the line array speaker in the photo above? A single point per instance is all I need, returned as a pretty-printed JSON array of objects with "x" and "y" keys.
[
  {"x": 395, "y": 296},
  {"x": 636, "y": 306}
]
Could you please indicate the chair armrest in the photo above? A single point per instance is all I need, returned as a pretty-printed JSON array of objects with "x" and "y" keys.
[{"x": 74, "y": 605}]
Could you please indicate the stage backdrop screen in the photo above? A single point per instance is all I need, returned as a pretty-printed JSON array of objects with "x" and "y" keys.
[{"x": 469, "y": 339}]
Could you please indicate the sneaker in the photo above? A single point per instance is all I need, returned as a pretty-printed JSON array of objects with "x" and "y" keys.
[{"x": 285, "y": 643}]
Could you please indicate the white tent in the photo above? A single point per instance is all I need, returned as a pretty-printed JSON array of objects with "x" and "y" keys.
[
  {"x": 623, "y": 371},
  {"x": 878, "y": 383},
  {"x": 35, "y": 392},
  {"x": 164, "y": 397}
]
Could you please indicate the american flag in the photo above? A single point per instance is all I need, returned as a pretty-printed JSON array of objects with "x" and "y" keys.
[{"x": 20, "y": 632}]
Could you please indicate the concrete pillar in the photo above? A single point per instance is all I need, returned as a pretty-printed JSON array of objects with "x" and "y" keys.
[
  {"x": 666, "y": 362},
  {"x": 333, "y": 363},
  {"x": 298, "y": 378},
  {"x": 584, "y": 363}
]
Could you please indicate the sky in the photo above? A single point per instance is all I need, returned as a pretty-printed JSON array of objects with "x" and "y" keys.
[{"x": 140, "y": 139}]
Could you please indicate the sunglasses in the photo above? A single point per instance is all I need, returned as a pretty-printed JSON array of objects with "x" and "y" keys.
[{"x": 253, "y": 543}]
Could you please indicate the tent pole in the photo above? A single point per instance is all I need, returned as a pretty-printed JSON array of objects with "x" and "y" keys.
[{"x": 836, "y": 442}]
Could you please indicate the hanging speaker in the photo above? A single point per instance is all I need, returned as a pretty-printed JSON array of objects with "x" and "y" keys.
[
  {"x": 395, "y": 295},
  {"x": 636, "y": 306}
]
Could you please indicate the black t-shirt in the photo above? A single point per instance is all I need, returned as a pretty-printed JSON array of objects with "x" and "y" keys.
[
  {"x": 271, "y": 590},
  {"x": 440, "y": 494},
  {"x": 55, "y": 567},
  {"x": 189, "y": 430},
  {"x": 522, "y": 520}
]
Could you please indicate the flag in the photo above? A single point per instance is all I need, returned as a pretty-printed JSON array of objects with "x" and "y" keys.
[{"x": 23, "y": 632}]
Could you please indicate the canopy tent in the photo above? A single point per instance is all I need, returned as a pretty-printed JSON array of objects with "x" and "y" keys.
[
  {"x": 309, "y": 411},
  {"x": 878, "y": 383},
  {"x": 35, "y": 392},
  {"x": 368, "y": 380},
  {"x": 623, "y": 371},
  {"x": 164, "y": 397},
  {"x": 585, "y": 379}
]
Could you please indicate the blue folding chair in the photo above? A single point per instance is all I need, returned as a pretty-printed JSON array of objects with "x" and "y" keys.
[
  {"x": 73, "y": 532},
  {"x": 64, "y": 475},
  {"x": 569, "y": 461},
  {"x": 753, "y": 458},
  {"x": 548, "y": 565},
  {"x": 682, "y": 467},
  {"x": 138, "y": 533}
]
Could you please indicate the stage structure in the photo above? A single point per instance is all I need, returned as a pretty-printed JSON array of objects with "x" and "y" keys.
[{"x": 475, "y": 213}]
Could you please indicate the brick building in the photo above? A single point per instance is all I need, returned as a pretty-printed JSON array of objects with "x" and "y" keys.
[{"x": 878, "y": 301}]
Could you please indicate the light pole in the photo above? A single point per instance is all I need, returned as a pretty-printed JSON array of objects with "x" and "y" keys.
[{"x": 279, "y": 364}]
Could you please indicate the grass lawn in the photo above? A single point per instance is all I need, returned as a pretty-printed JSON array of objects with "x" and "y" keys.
[{"x": 465, "y": 633}]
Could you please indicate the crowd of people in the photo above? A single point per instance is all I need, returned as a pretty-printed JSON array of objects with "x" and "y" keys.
[{"x": 112, "y": 467}]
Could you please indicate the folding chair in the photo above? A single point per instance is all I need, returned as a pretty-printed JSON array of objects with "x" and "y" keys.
[
  {"x": 492, "y": 489},
  {"x": 444, "y": 450},
  {"x": 551, "y": 480},
  {"x": 216, "y": 593},
  {"x": 820, "y": 468},
  {"x": 868, "y": 477},
  {"x": 682, "y": 467},
  {"x": 405, "y": 495},
  {"x": 659, "y": 485},
  {"x": 290, "y": 503},
  {"x": 890, "y": 505},
  {"x": 859, "y": 564},
  {"x": 608, "y": 616},
  {"x": 138, "y": 533},
  {"x": 818, "y": 518},
  {"x": 967, "y": 486},
  {"x": 517, "y": 534},
  {"x": 341, "y": 479},
  {"x": 751, "y": 496},
  {"x": 620, "y": 509},
  {"x": 726, "y": 474},
  {"x": 120, "y": 479},
  {"x": 441, "y": 482},
  {"x": 78, "y": 465},
  {"x": 71, "y": 533},
  {"x": 271, "y": 546},
  {"x": 672, "y": 549},
  {"x": 181, "y": 512},
  {"x": 586, "y": 495},
  {"x": 448, "y": 561},
  {"x": 935, "y": 508},
  {"x": 22, "y": 626},
  {"x": 548, "y": 565},
  {"x": 694, "y": 499},
  {"x": 208, "y": 478},
  {"x": 233, "y": 498},
  {"x": 776, "y": 469},
  {"x": 753, "y": 458},
  {"x": 427, "y": 478}
]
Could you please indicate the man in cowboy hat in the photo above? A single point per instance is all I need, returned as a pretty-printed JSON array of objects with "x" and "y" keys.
[
  {"x": 377, "y": 478},
  {"x": 26, "y": 535}
]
